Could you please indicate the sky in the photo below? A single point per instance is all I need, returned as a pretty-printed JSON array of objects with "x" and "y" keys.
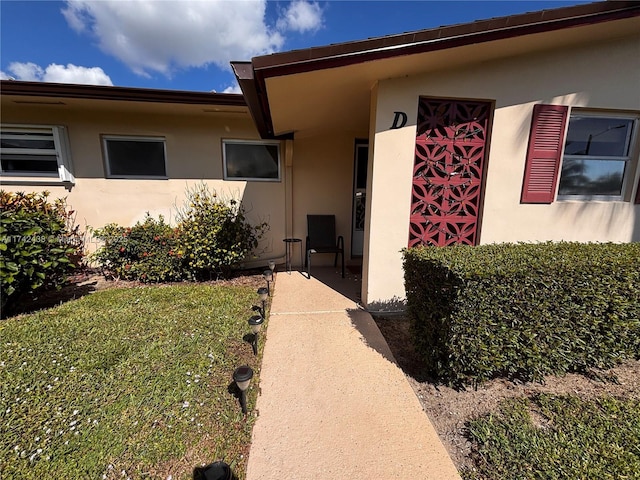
[{"x": 187, "y": 45}]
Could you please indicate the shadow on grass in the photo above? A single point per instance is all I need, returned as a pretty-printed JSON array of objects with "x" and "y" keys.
[{"x": 40, "y": 300}]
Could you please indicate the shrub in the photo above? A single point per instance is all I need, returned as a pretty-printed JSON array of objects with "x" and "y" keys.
[
  {"x": 523, "y": 311},
  {"x": 39, "y": 244},
  {"x": 147, "y": 252},
  {"x": 214, "y": 234}
]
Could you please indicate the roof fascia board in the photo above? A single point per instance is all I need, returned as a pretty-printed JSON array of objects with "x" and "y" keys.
[
  {"x": 100, "y": 92},
  {"x": 351, "y": 53}
]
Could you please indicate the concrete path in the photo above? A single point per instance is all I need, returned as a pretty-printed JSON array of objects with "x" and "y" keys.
[{"x": 333, "y": 404}]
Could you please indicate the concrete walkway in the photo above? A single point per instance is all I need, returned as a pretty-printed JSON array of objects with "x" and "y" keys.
[{"x": 333, "y": 404}]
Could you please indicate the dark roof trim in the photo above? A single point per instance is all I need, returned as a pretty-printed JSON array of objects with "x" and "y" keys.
[
  {"x": 352, "y": 53},
  {"x": 244, "y": 76},
  {"x": 127, "y": 94}
]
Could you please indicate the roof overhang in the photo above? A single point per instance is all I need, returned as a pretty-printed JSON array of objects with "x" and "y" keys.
[
  {"x": 289, "y": 91},
  {"x": 120, "y": 98}
]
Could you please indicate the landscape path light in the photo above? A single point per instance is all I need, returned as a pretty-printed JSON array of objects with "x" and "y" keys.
[
  {"x": 255, "y": 322},
  {"x": 242, "y": 376},
  {"x": 263, "y": 294},
  {"x": 272, "y": 265},
  {"x": 268, "y": 276},
  {"x": 214, "y": 471}
]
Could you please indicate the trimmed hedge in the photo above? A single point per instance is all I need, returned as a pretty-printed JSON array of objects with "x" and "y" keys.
[{"x": 523, "y": 310}]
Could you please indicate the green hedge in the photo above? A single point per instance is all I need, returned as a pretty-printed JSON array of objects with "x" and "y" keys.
[
  {"x": 39, "y": 245},
  {"x": 523, "y": 311}
]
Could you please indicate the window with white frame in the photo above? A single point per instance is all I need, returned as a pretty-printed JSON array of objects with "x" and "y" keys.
[
  {"x": 251, "y": 160},
  {"x": 597, "y": 161},
  {"x": 597, "y": 156},
  {"x": 35, "y": 151},
  {"x": 135, "y": 157}
]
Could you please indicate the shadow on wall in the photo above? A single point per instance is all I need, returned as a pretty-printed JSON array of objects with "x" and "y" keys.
[
  {"x": 394, "y": 306},
  {"x": 617, "y": 221}
]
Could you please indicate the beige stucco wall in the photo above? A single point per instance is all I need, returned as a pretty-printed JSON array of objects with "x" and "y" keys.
[
  {"x": 323, "y": 183},
  {"x": 603, "y": 76},
  {"x": 194, "y": 155}
]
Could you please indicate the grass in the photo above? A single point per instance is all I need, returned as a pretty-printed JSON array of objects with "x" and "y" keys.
[
  {"x": 126, "y": 383},
  {"x": 558, "y": 437}
]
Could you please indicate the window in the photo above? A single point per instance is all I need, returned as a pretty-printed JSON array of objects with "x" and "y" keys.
[
  {"x": 595, "y": 162},
  {"x": 35, "y": 151},
  {"x": 249, "y": 160},
  {"x": 596, "y": 156},
  {"x": 135, "y": 157}
]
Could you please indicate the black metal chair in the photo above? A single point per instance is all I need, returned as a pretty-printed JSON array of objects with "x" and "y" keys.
[{"x": 321, "y": 238}]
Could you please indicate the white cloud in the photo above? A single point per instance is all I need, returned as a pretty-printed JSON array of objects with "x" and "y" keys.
[
  {"x": 301, "y": 16},
  {"x": 29, "y": 71},
  {"x": 232, "y": 89},
  {"x": 57, "y": 73},
  {"x": 160, "y": 36}
]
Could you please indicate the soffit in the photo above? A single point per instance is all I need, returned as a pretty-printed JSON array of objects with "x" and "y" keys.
[{"x": 339, "y": 97}]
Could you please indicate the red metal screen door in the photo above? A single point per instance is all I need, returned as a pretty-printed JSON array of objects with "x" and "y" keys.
[{"x": 447, "y": 174}]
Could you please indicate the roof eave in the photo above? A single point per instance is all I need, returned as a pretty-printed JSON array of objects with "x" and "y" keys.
[
  {"x": 423, "y": 41},
  {"x": 110, "y": 93}
]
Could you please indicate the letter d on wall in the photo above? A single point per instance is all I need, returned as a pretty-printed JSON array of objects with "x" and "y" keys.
[{"x": 399, "y": 120}]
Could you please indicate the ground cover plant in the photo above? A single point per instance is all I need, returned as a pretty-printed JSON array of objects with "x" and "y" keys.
[
  {"x": 569, "y": 426},
  {"x": 126, "y": 383},
  {"x": 558, "y": 437}
]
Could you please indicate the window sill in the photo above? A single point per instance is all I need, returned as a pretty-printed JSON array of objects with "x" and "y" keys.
[{"x": 36, "y": 181}]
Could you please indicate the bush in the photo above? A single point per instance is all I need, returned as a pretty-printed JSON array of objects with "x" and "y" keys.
[
  {"x": 214, "y": 234},
  {"x": 147, "y": 252},
  {"x": 39, "y": 244},
  {"x": 523, "y": 311}
]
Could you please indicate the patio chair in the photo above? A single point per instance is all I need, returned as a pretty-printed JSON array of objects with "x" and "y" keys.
[{"x": 321, "y": 238}]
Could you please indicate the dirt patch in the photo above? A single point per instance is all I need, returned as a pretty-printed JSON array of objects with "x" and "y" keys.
[{"x": 449, "y": 410}]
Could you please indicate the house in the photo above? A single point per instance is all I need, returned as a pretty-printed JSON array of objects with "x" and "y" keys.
[{"x": 520, "y": 128}]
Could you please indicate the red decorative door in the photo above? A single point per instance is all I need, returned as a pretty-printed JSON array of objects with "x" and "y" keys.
[{"x": 447, "y": 174}]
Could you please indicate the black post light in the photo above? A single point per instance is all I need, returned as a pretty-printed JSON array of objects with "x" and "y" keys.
[
  {"x": 272, "y": 265},
  {"x": 255, "y": 322},
  {"x": 268, "y": 276},
  {"x": 214, "y": 471},
  {"x": 263, "y": 294},
  {"x": 242, "y": 376}
]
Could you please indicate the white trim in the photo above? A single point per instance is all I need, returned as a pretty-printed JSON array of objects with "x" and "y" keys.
[
  {"x": 134, "y": 138},
  {"x": 632, "y": 161},
  {"x": 62, "y": 151},
  {"x": 232, "y": 141}
]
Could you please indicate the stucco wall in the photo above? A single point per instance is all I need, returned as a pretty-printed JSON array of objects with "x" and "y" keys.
[
  {"x": 194, "y": 154},
  {"x": 603, "y": 76},
  {"x": 323, "y": 184}
]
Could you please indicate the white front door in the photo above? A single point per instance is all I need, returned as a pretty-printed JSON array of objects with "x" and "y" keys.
[{"x": 361, "y": 159}]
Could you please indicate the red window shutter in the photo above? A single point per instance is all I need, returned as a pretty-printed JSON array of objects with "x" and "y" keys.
[{"x": 546, "y": 143}]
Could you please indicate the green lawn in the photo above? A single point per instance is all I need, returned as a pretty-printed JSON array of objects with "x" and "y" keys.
[
  {"x": 558, "y": 437},
  {"x": 126, "y": 383}
]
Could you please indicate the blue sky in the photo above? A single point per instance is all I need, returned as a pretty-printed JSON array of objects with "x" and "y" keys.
[{"x": 187, "y": 45}]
